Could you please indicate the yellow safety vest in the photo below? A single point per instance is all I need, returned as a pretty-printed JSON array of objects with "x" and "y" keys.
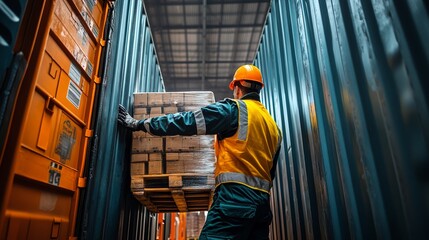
[{"x": 247, "y": 156}]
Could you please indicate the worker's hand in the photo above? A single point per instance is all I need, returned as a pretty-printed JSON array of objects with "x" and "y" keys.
[{"x": 125, "y": 119}]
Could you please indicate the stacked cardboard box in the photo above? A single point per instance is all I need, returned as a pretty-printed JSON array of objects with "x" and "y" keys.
[
  {"x": 175, "y": 154},
  {"x": 194, "y": 224}
]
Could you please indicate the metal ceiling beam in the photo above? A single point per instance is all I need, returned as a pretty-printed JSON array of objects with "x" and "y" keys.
[
  {"x": 200, "y": 26},
  {"x": 196, "y": 50},
  {"x": 185, "y": 84},
  {"x": 186, "y": 38},
  {"x": 236, "y": 39},
  {"x": 207, "y": 62},
  {"x": 203, "y": 77},
  {"x": 196, "y": 78},
  {"x": 198, "y": 2},
  {"x": 253, "y": 32},
  {"x": 218, "y": 38},
  {"x": 166, "y": 53},
  {"x": 179, "y": 44}
]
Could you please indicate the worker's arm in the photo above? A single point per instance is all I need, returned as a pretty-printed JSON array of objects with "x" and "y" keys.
[{"x": 219, "y": 117}]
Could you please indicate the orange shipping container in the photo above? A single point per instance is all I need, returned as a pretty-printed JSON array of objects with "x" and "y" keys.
[{"x": 49, "y": 148}]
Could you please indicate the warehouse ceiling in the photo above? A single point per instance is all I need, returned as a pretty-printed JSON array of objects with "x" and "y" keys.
[{"x": 201, "y": 43}]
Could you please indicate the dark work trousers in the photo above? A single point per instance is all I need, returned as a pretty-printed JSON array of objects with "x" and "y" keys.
[{"x": 238, "y": 212}]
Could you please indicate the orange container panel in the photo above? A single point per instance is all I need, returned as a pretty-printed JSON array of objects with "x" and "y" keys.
[
  {"x": 52, "y": 133},
  {"x": 50, "y": 73},
  {"x": 182, "y": 226},
  {"x": 73, "y": 87},
  {"x": 92, "y": 13},
  {"x": 70, "y": 30},
  {"x": 42, "y": 170},
  {"x": 29, "y": 218},
  {"x": 56, "y": 126},
  {"x": 50, "y": 154},
  {"x": 50, "y": 200},
  {"x": 160, "y": 227}
]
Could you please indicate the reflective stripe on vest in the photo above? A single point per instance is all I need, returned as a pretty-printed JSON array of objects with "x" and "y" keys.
[
  {"x": 250, "y": 181},
  {"x": 244, "y": 120}
]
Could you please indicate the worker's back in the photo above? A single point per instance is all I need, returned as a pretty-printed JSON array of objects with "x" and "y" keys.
[{"x": 251, "y": 149}]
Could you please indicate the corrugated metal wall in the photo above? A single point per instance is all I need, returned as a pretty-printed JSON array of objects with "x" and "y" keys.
[
  {"x": 131, "y": 66},
  {"x": 346, "y": 82}
]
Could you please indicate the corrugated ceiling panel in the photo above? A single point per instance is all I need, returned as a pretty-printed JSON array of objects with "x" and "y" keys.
[{"x": 229, "y": 38}]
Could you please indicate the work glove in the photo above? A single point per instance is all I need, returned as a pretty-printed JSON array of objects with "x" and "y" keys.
[{"x": 125, "y": 119}]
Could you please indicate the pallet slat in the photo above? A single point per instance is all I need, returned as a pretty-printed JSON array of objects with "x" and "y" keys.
[
  {"x": 179, "y": 199},
  {"x": 174, "y": 192},
  {"x": 187, "y": 181}
]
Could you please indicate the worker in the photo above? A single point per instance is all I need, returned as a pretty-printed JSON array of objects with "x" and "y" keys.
[{"x": 247, "y": 145}]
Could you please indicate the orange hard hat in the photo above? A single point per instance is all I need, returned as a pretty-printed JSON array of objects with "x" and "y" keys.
[{"x": 247, "y": 73}]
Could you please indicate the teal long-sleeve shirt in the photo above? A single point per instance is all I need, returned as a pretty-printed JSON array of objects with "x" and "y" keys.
[{"x": 219, "y": 118}]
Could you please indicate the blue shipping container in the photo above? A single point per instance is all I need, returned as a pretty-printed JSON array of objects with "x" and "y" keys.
[{"x": 346, "y": 81}]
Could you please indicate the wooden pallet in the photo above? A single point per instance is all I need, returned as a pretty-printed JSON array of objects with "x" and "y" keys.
[{"x": 174, "y": 192}]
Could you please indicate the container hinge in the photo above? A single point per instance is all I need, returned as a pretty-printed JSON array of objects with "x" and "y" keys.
[
  {"x": 81, "y": 182},
  {"x": 102, "y": 42},
  {"x": 89, "y": 133},
  {"x": 97, "y": 80}
]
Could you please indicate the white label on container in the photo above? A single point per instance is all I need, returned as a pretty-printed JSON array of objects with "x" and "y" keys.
[
  {"x": 91, "y": 4},
  {"x": 95, "y": 31},
  {"x": 74, "y": 74},
  {"x": 74, "y": 94},
  {"x": 89, "y": 69}
]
